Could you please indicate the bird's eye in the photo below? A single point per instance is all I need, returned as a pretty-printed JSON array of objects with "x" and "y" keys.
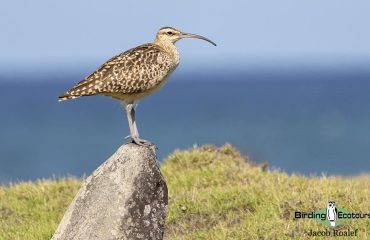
[{"x": 169, "y": 33}]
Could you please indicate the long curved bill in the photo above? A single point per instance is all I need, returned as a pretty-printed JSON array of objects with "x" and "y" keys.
[{"x": 190, "y": 35}]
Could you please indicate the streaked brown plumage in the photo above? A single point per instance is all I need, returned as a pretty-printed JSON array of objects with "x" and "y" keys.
[
  {"x": 128, "y": 74},
  {"x": 134, "y": 74}
]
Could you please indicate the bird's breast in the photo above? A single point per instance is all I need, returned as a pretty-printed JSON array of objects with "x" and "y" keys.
[{"x": 154, "y": 85}]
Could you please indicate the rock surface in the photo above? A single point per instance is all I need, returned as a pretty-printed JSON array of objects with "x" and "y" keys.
[{"x": 125, "y": 198}]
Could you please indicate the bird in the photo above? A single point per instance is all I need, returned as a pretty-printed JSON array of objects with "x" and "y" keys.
[
  {"x": 331, "y": 213},
  {"x": 134, "y": 74}
]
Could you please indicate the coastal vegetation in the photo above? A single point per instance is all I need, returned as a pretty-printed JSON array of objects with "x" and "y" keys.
[{"x": 214, "y": 193}]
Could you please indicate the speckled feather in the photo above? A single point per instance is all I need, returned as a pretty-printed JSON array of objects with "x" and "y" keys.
[{"x": 128, "y": 75}]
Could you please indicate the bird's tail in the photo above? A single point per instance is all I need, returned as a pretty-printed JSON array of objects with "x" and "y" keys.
[
  {"x": 332, "y": 223},
  {"x": 66, "y": 96}
]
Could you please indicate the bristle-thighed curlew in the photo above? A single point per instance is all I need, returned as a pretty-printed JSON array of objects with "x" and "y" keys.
[{"x": 134, "y": 74}]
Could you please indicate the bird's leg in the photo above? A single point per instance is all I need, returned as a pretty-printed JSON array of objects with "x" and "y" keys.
[
  {"x": 129, "y": 118},
  {"x": 130, "y": 109},
  {"x": 136, "y": 138},
  {"x": 136, "y": 132}
]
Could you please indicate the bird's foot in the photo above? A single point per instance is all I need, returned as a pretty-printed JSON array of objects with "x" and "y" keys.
[{"x": 141, "y": 142}]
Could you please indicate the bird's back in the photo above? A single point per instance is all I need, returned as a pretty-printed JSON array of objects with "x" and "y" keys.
[{"x": 128, "y": 75}]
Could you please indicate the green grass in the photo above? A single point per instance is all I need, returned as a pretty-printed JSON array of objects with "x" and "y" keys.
[{"x": 215, "y": 193}]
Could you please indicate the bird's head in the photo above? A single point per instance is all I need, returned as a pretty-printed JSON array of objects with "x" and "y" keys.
[
  {"x": 172, "y": 35},
  {"x": 331, "y": 204}
]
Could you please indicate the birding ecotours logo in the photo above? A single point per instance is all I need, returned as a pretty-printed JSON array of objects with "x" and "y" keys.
[{"x": 331, "y": 216}]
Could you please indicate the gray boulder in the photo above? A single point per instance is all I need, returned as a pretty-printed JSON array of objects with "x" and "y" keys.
[{"x": 125, "y": 198}]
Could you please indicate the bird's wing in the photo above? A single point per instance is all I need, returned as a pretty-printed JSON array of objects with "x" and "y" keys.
[{"x": 133, "y": 71}]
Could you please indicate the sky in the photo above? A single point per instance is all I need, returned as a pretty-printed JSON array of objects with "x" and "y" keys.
[{"x": 44, "y": 34}]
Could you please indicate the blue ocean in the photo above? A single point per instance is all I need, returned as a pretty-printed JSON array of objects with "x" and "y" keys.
[{"x": 299, "y": 121}]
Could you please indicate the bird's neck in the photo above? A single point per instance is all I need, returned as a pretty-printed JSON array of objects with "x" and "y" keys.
[{"x": 170, "y": 48}]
